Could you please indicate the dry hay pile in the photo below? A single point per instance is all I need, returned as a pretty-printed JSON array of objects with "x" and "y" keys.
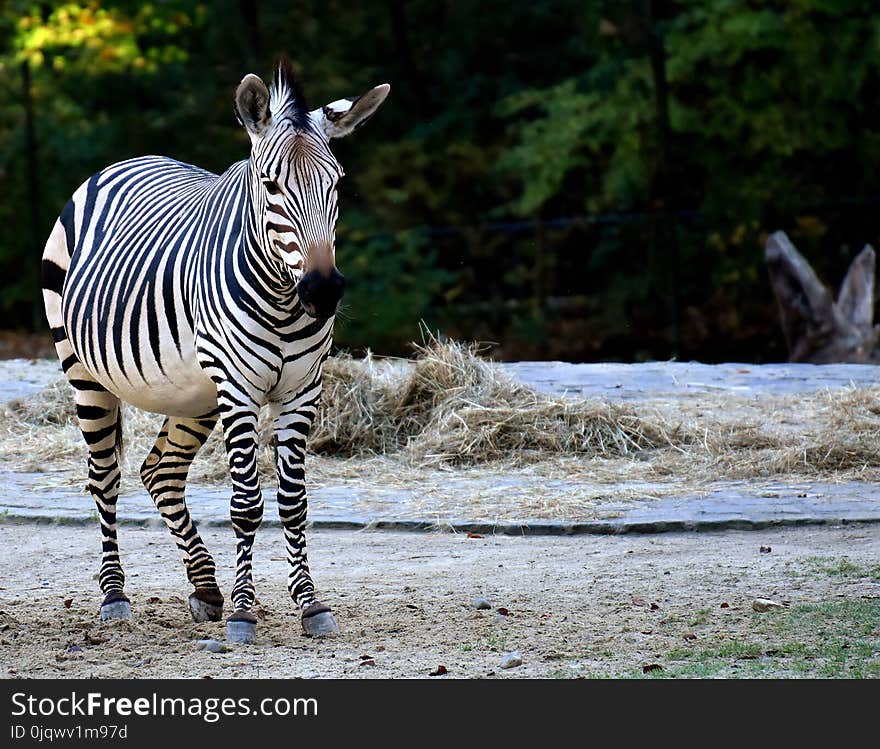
[
  {"x": 832, "y": 433},
  {"x": 450, "y": 407}
]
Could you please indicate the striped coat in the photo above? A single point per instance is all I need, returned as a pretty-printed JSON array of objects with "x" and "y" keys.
[{"x": 204, "y": 298}]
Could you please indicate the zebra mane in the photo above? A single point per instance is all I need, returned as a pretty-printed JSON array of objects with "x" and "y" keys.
[{"x": 286, "y": 96}]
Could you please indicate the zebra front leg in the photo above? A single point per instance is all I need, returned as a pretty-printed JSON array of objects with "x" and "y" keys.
[
  {"x": 239, "y": 419},
  {"x": 292, "y": 425},
  {"x": 164, "y": 475},
  {"x": 100, "y": 419}
]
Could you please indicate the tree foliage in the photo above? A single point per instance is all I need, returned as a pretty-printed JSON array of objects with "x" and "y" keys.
[{"x": 571, "y": 179}]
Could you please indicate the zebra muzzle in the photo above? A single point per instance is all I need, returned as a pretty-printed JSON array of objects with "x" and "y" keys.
[{"x": 320, "y": 293}]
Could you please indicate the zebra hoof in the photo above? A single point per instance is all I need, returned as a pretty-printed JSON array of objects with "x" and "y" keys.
[
  {"x": 206, "y": 605},
  {"x": 317, "y": 620},
  {"x": 241, "y": 627},
  {"x": 115, "y": 606}
]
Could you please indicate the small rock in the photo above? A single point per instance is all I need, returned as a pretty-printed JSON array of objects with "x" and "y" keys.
[
  {"x": 212, "y": 646},
  {"x": 481, "y": 604},
  {"x": 511, "y": 660},
  {"x": 765, "y": 604},
  {"x": 725, "y": 605},
  {"x": 766, "y": 549},
  {"x": 74, "y": 649}
]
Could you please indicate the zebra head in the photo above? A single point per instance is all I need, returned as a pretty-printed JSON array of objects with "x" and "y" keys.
[{"x": 294, "y": 177}]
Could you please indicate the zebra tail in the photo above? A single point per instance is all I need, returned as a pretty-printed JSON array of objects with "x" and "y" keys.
[
  {"x": 119, "y": 444},
  {"x": 53, "y": 273}
]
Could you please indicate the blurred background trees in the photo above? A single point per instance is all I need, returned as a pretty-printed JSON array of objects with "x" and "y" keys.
[{"x": 569, "y": 179}]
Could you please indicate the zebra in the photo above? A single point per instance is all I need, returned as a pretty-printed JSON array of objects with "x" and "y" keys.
[{"x": 204, "y": 297}]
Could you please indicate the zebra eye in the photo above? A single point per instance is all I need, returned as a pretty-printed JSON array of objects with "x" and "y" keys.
[{"x": 271, "y": 187}]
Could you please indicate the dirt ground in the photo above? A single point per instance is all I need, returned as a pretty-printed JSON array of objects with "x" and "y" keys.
[{"x": 578, "y": 606}]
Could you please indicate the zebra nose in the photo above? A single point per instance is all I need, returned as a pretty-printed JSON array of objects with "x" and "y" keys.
[{"x": 320, "y": 294}]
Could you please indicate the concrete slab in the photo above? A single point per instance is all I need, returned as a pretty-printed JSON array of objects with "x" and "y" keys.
[
  {"x": 727, "y": 505},
  {"x": 731, "y": 504},
  {"x": 686, "y": 379}
]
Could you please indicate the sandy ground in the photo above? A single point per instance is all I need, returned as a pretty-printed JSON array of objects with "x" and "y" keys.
[{"x": 578, "y": 606}]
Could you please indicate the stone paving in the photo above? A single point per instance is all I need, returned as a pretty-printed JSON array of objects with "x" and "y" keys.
[
  {"x": 610, "y": 380},
  {"x": 736, "y": 505},
  {"x": 657, "y": 380},
  {"x": 20, "y": 377}
]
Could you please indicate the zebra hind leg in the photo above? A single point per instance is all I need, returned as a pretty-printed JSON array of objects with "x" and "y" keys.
[
  {"x": 100, "y": 419},
  {"x": 164, "y": 474}
]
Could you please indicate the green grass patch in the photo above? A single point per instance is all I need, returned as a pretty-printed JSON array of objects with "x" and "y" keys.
[
  {"x": 837, "y": 567},
  {"x": 731, "y": 649},
  {"x": 497, "y": 642},
  {"x": 836, "y": 640},
  {"x": 702, "y": 617}
]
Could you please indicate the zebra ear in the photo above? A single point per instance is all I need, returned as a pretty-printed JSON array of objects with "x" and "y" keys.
[
  {"x": 343, "y": 117},
  {"x": 252, "y": 104}
]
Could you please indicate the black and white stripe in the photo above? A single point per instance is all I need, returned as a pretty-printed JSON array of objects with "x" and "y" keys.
[{"x": 204, "y": 298}]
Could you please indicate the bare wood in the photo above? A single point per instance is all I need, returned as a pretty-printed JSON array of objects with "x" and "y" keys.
[{"x": 818, "y": 329}]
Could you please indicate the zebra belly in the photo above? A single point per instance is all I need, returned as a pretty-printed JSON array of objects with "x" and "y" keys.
[
  {"x": 184, "y": 391},
  {"x": 195, "y": 396},
  {"x": 127, "y": 342}
]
